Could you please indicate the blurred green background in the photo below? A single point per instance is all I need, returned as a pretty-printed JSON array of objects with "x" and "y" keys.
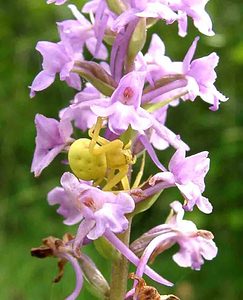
[{"x": 25, "y": 215}]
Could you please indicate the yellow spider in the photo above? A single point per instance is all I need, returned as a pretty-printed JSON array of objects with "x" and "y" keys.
[{"x": 98, "y": 159}]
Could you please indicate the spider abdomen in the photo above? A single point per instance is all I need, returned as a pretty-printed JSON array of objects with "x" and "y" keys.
[{"x": 84, "y": 164}]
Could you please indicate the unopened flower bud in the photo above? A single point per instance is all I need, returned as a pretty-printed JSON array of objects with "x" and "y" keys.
[
  {"x": 96, "y": 75},
  {"x": 117, "y": 6},
  {"x": 137, "y": 40},
  {"x": 97, "y": 282}
]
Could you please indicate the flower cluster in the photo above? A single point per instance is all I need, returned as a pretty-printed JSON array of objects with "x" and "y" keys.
[{"x": 122, "y": 102}]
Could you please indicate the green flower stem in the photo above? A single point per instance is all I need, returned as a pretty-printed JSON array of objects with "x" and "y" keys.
[{"x": 119, "y": 272}]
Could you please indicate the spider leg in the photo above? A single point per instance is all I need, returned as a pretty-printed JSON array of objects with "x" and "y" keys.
[
  {"x": 100, "y": 140},
  {"x": 125, "y": 183},
  {"x": 128, "y": 145},
  {"x": 140, "y": 173},
  {"x": 98, "y": 181},
  {"x": 104, "y": 145},
  {"x": 111, "y": 174},
  {"x": 94, "y": 133},
  {"x": 117, "y": 178}
]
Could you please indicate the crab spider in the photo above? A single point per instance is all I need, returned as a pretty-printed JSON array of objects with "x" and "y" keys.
[{"x": 98, "y": 159}]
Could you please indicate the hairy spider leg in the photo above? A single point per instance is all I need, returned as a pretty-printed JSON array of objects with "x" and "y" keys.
[{"x": 140, "y": 173}]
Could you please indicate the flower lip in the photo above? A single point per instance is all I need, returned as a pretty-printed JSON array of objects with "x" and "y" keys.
[
  {"x": 90, "y": 203},
  {"x": 97, "y": 210},
  {"x": 127, "y": 95},
  {"x": 195, "y": 245},
  {"x": 205, "y": 234}
]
